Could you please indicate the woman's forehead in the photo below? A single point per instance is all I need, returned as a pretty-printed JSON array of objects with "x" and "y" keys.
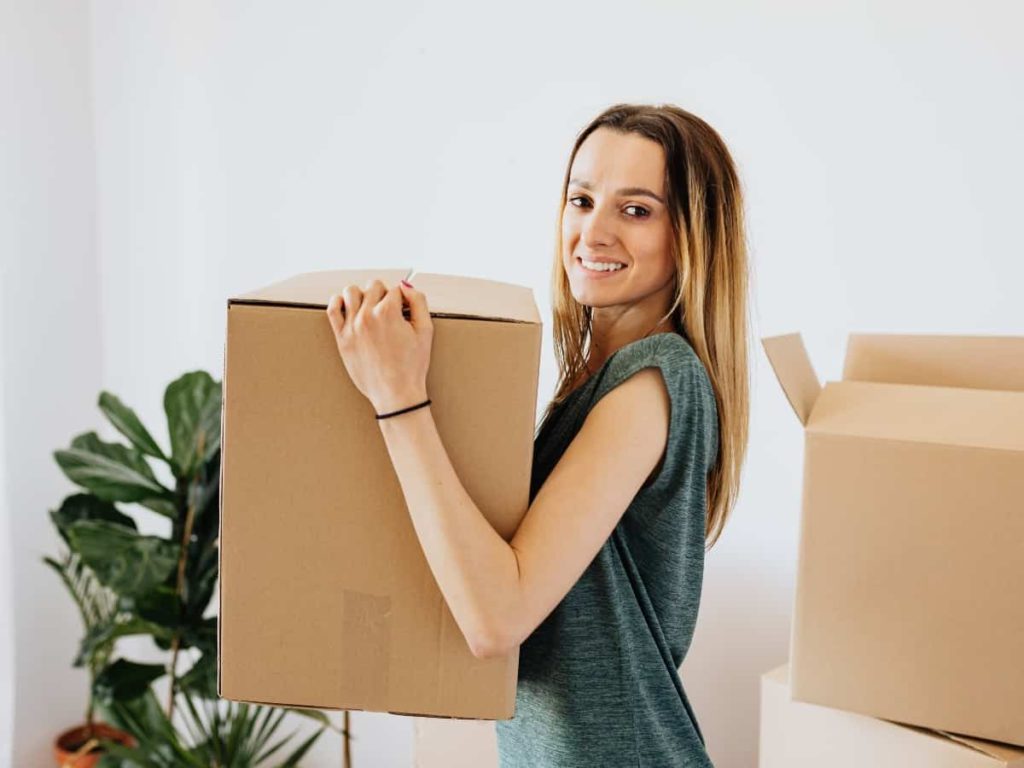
[{"x": 610, "y": 158}]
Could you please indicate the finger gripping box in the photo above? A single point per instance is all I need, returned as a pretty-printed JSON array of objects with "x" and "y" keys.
[
  {"x": 326, "y": 597},
  {"x": 910, "y": 582}
]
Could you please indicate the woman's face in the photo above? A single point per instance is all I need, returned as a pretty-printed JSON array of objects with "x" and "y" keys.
[{"x": 615, "y": 211}]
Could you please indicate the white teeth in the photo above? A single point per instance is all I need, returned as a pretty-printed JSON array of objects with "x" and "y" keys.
[{"x": 599, "y": 266}]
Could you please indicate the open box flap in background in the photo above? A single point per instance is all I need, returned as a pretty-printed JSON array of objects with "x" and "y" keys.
[
  {"x": 972, "y": 418},
  {"x": 968, "y": 362},
  {"x": 793, "y": 369},
  {"x": 977, "y": 362}
]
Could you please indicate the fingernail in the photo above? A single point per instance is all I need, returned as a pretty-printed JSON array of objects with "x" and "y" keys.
[{"x": 407, "y": 283}]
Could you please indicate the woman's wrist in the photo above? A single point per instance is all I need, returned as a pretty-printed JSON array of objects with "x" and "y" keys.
[{"x": 393, "y": 404}]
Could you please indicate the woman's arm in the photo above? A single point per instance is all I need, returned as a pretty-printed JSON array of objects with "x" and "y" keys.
[{"x": 500, "y": 592}]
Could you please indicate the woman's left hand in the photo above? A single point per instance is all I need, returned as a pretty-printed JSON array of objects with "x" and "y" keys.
[{"x": 386, "y": 356}]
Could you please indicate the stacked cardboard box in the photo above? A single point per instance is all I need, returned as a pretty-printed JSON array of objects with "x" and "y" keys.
[
  {"x": 326, "y": 597},
  {"x": 910, "y": 585}
]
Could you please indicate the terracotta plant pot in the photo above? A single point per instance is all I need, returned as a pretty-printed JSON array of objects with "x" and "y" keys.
[{"x": 72, "y": 750}]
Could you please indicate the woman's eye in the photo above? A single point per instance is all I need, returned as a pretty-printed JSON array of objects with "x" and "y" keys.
[
  {"x": 640, "y": 208},
  {"x": 644, "y": 212}
]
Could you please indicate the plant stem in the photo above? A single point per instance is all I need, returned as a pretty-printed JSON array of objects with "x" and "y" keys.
[
  {"x": 186, "y": 536},
  {"x": 173, "y": 674},
  {"x": 89, "y": 712},
  {"x": 347, "y": 746}
]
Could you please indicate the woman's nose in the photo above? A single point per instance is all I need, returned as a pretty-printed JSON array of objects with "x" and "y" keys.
[{"x": 596, "y": 229}]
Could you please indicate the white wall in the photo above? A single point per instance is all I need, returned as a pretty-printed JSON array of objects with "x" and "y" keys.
[
  {"x": 241, "y": 142},
  {"x": 6, "y": 577},
  {"x": 51, "y": 352}
]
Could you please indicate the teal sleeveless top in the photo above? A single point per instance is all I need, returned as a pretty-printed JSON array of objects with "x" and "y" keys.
[{"x": 598, "y": 682}]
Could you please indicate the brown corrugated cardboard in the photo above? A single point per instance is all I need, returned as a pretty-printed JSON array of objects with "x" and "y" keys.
[
  {"x": 799, "y": 735},
  {"x": 326, "y": 598},
  {"x": 910, "y": 591}
]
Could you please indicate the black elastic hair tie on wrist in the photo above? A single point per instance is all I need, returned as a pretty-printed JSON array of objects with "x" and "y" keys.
[{"x": 404, "y": 410}]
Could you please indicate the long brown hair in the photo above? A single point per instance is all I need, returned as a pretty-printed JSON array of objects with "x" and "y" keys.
[{"x": 705, "y": 202}]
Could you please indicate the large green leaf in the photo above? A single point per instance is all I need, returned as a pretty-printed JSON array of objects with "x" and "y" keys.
[
  {"x": 128, "y": 563},
  {"x": 128, "y": 424},
  {"x": 159, "y": 605},
  {"x": 267, "y": 722},
  {"x": 301, "y": 750},
  {"x": 193, "y": 407},
  {"x": 202, "y": 634},
  {"x": 125, "y": 680},
  {"x": 106, "y": 634},
  {"x": 111, "y": 471},
  {"x": 201, "y": 679},
  {"x": 203, "y": 492},
  {"x": 85, "y": 506},
  {"x": 97, "y": 604},
  {"x": 202, "y": 581},
  {"x": 162, "y": 505},
  {"x": 159, "y": 744}
]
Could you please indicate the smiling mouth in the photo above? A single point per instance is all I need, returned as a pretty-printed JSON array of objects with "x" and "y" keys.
[{"x": 600, "y": 271}]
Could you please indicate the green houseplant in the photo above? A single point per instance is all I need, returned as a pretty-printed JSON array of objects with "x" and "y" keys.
[
  {"x": 126, "y": 583},
  {"x": 97, "y": 606}
]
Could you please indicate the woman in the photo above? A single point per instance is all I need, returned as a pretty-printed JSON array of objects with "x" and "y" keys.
[{"x": 637, "y": 460}]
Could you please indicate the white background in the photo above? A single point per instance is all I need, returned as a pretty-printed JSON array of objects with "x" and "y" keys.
[{"x": 158, "y": 157}]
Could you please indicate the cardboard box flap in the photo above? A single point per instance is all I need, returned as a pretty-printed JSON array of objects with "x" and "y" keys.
[
  {"x": 977, "y": 362},
  {"x": 793, "y": 369},
  {"x": 941, "y": 415},
  {"x": 312, "y": 289},
  {"x": 447, "y": 295},
  {"x": 1012, "y": 756},
  {"x": 460, "y": 296}
]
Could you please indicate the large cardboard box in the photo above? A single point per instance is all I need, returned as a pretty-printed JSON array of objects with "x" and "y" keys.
[
  {"x": 326, "y": 597},
  {"x": 798, "y": 735},
  {"x": 910, "y": 584}
]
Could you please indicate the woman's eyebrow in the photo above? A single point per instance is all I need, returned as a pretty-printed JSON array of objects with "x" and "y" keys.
[{"x": 624, "y": 191}]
